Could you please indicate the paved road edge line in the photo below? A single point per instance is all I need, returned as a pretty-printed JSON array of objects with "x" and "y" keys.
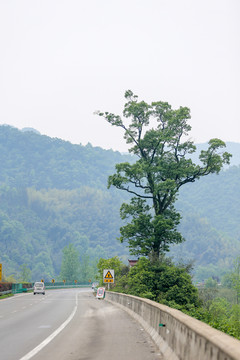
[{"x": 52, "y": 336}]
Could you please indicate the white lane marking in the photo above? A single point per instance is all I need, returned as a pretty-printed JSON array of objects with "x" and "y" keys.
[{"x": 52, "y": 336}]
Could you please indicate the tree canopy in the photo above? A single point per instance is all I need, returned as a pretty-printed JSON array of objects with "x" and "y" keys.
[
  {"x": 70, "y": 263},
  {"x": 157, "y": 135}
]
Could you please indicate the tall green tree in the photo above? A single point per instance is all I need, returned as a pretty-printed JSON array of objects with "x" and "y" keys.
[
  {"x": 235, "y": 278},
  {"x": 163, "y": 165},
  {"x": 25, "y": 273},
  {"x": 70, "y": 264}
]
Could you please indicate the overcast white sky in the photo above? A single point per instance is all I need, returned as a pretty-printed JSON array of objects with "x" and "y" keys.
[{"x": 63, "y": 59}]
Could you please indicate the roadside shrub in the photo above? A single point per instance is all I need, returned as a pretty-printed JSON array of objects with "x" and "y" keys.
[{"x": 5, "y": 286}]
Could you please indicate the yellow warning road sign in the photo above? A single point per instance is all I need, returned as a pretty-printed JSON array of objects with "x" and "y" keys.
[{"x": 108, "y": 276}]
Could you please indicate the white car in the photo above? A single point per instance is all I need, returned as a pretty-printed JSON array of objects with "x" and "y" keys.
[{"x": 39, "y": 288}]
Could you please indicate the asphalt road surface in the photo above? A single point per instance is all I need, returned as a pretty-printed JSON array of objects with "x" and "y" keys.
[{"x": 70, "y": 324}]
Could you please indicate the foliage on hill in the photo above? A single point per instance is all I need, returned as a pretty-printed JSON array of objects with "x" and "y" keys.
[
  {"x": 35, "y": 226},
  {"x": 54, "y": 193},
  {"x": 31, "y": 160},
  {"x": 216, "y": 198},
  {"x": 210, "y": 223}
]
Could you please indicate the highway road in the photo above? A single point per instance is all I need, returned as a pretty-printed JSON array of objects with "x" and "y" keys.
[{"x": 70, "y": 324}]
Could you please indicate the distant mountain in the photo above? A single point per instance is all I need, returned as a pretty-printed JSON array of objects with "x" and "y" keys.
[
  {"x": 32, "y": 160},
  {"x": 29, "y": 129},
  {"x": 53, "y": 193},
  {"x": 210, "y": 210}
]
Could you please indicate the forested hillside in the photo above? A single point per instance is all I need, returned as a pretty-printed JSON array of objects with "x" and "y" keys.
[
  {"x": 31, "y": 160},
  {"x": 53, "y": 193},
  {"x": 210, "y": 222}
]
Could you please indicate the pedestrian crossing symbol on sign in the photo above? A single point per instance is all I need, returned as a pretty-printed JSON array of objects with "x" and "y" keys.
[{"x": 108, "y": 276}]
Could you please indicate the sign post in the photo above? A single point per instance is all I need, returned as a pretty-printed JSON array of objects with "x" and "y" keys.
[
  {"x": 108, "y": 276},
  {"x": 0, "y": 272}
]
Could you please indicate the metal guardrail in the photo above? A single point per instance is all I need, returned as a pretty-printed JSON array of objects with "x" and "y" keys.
[{"x": 49, "y": 286}]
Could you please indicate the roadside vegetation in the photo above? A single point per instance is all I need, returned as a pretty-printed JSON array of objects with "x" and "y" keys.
[
  {"x": 162, "y": 281},
  {"x": 4, "y": 296}
]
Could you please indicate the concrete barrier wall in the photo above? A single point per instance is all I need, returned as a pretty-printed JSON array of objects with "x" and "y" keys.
[{"x": 182, "y": 337}]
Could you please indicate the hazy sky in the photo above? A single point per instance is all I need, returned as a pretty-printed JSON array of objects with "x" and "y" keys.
[{"x": 63, "y": 59}]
